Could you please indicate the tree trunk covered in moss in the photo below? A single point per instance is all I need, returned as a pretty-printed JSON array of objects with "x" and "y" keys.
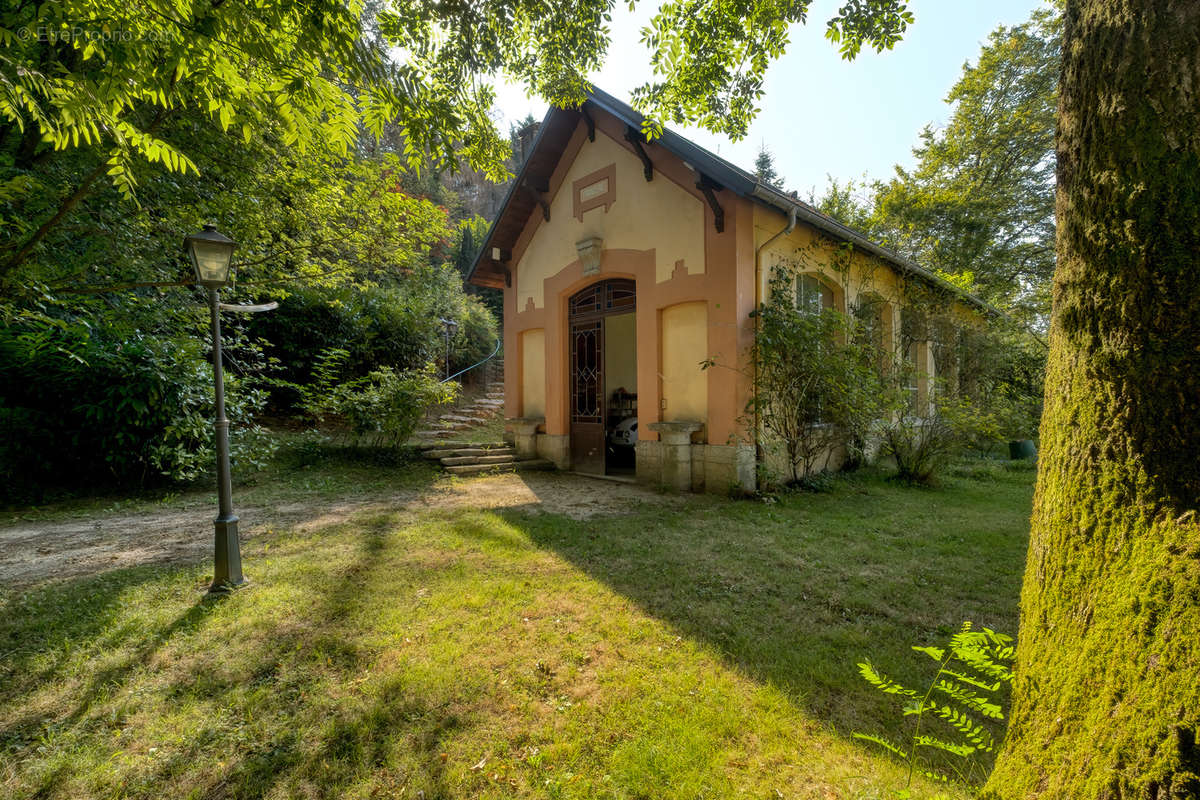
[{"x": 1107, "y": 699}]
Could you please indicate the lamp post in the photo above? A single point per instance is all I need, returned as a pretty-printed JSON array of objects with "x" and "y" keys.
[
  {"x": 449, "y": 326},
  {"x": 210, "y": 253}
]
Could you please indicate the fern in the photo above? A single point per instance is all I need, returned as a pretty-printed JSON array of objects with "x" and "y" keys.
[{"x": 963, "y": 695}]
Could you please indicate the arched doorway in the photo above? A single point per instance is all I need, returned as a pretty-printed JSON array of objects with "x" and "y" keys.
[{"x": 603, "y": 377}]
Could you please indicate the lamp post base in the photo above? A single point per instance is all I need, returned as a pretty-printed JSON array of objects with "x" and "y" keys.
[{"x": 227, "y": 563}]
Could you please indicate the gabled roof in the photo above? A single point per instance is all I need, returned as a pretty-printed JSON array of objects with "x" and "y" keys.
[{"x": 551, "y": 142}]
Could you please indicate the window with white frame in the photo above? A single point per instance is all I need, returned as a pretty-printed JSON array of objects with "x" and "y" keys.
[
  {"x": 812, "y": 295},
  {"x": 912, "y": 382},
  {"x": 869, "y": 320}
]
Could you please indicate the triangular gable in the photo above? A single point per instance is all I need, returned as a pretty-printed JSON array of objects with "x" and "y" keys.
[{"x": 491, "y": 267}]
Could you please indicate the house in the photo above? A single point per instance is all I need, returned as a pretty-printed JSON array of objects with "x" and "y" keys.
[{"x": 627, "y": 265}]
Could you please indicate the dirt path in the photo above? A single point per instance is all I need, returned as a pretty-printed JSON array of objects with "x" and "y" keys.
[{"x": 31, "y": 552}]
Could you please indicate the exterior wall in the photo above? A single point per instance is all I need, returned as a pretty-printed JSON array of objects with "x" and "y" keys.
[
  {"x": 533, "y": 373},
  {"x": 555, "y": 448},
  {"x": 716, "y": 468},
  {"x": 854, "y": 276},
  {"x": 684, "y": 346},
  {"x": 661, "y": 234},
  {"x": 695, "y": 291},
  {"x": 644, "y": 215}
]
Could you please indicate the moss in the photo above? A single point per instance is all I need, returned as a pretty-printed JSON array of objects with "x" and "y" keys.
[{"x": 1107, "y": 700}]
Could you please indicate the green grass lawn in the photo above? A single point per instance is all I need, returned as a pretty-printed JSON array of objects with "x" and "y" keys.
[{"x": 684, "y": 650}]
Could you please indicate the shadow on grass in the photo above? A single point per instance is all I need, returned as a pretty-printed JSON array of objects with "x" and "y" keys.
[
  {"x": 292, "y": 689},
  {"x": 35, "y": 645},
  {"x": 331, "y": 745},
  {"x": 266, "y": 701},
  {"x": 796, "y": 593}
]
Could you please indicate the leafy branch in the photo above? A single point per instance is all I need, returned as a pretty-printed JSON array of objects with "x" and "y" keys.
[{"x": 964, "y": 695}]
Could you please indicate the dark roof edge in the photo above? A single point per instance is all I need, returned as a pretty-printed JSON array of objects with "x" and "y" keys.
[
  {"x": 744, "y": 183},
  {"x": 486, "y": 247},
  {"x": 769, "y": 195}
]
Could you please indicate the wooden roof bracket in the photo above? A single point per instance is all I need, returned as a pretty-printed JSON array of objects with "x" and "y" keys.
[
  {"x": 708, "y": 186},
  {"x": 501, "y": 258},
  {"x": 539, "y": 194},
  {"x": 591, "y": 123},
  {"x": 635, "y": 138}
]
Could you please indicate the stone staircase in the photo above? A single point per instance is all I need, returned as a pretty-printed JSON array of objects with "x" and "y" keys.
[
  {"x": 465, "y": 458},
  {"x": 483, "y": 409}
]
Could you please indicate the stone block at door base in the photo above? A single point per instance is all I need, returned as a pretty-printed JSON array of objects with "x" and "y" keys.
[{"x": 555, "y": 448}]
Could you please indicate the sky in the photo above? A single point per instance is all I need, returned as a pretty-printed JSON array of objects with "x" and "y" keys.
[{"x": 822, "y": 116}]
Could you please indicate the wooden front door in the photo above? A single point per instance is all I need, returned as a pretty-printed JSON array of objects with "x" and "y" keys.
[{"x": 586, "y": 312}]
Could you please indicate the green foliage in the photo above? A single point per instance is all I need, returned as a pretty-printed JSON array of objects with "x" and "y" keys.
[
  {"x": 353, "y": 258},
  {"x": 468, "y": 239},
  {"x": 380, "y": 409},
  {"x": 978, "y": 209},
  {"x": 317, "y": 395},
  {"x": 123, "y": 127},
  {"x": 83, "y": 408},
  {"x": 961, "y": 706},
  {"x": 848, "y": 202},
  {"x": 94, "y": 83},
  {"x": 1008, "y": 369},
  {"x": 818, "y": 385},
  {"x": 102, "y": 75},
  {"x": 979, "y": 206},
  {"x": 709, "y": 59},
  {"x": 982, "y": 386},
  {"x": 879, "y": 23},
  {"x": 764, "y": 168},
  {"x": 394, "y": 326},
  {"x": 922, "y": 440},
  {"x": 383, "y": 409}
]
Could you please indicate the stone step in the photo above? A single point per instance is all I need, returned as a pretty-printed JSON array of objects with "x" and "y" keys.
[
  {"x": 435, "y": 434},
  {"x": 435, "y": 454},
  {"x": 512, "y": 466},
  {"x": 455, "y": 419},
  {"x": 445, "y": 448},
  {"x": 454, "y": 461}
]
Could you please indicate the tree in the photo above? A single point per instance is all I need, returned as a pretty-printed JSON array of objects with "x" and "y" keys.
[
  {"x": 764, "y": 167},
  {"x": 103, "y": 76},
  {"x": 979, "y": 206},
  {"x": 1106, "y": 700},
  {"x": 850, "y": 204}
]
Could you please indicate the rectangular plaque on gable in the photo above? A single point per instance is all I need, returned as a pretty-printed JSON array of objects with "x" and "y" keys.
[{"x": 595, "y": 190}]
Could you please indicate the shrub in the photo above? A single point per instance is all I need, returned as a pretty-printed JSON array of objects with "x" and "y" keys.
[
  {"x": 383, "y": 409},
  {"x": 818, "y": 385},
  {"x": 922, "y": 444},
  {"x": 396, "y": 326},
  {"x": 476, "y": 335},
  {"x": 84, "y": 408}
]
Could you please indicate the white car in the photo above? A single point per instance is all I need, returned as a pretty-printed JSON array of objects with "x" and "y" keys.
[{"x": 625, "y": 433}]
